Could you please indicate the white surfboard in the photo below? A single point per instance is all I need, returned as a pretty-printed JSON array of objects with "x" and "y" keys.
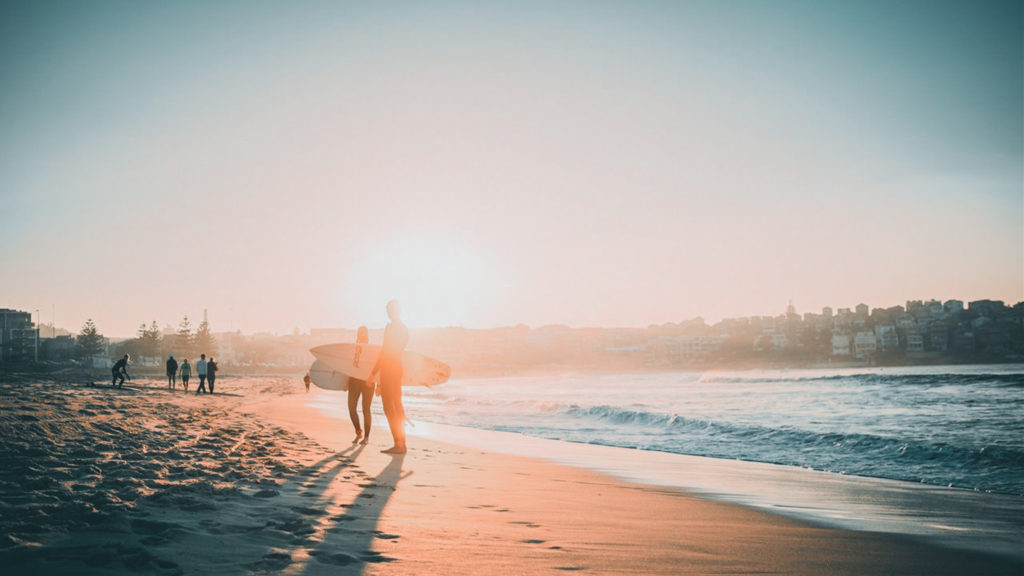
[{"x": 336, "y": 363}]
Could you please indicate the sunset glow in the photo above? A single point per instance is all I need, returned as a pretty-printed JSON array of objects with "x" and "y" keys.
[{"x": 516, "y": 163}]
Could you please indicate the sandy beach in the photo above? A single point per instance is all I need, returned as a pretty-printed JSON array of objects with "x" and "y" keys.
[{"x": 254, "y": 480}]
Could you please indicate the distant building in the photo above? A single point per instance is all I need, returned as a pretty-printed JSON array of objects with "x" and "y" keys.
[
  {"x": 864, "y": 344},
  {"x": 19, "y": 338},
  {"x": 906, "y": 322},
  {"x": 988, "y": 308},
  {"x": 938, "y": 336},
  {"x": 57, "y": 349},
  {"x": 887, "y": 337},
  {"x": 840, "y": 345},
  {"x": 915, "y": 342},
  {"x": 953, "y": 306},
  {"x": 779, "y": 341}
]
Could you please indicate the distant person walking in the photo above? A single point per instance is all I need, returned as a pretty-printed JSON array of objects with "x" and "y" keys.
[
  {"x": 201, "y": 372},
  {"x": 389, "y": 364},
  {"x": 306, "y": 380},
  {"x": 357, "y": 388},
  {"x": 119, "y": 370},
  {"x": 172, "y": 371},
  {"x": 211, "y": 373},
  {"x": 186, "y": 372}
]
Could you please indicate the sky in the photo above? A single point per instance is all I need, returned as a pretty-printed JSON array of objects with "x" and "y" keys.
[{"x": 290, "y": 165}]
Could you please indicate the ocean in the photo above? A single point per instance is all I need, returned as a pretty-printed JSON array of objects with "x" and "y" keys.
[{"x": 955, "y": 426}]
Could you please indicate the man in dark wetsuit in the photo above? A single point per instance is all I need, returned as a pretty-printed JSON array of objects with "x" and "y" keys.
[
  {"x": 172, "y": 371},
  {"x": 120, "y": 370},
  {"x": 389, "y": 364},
  {"x": 211, "y": 373}
]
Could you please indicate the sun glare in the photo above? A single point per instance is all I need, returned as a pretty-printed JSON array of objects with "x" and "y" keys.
[{"x": 439, "y": 280}]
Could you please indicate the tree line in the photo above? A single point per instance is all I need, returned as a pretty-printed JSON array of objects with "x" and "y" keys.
[{"x": 151, "y": 342}]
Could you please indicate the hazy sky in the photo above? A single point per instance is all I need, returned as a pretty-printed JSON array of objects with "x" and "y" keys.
[{"x": 297, "y": 164}]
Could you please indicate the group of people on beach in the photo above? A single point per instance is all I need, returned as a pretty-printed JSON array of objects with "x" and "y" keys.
[
  {"x": 205, "y": 369},
  {"x": 389, "y": 367}
]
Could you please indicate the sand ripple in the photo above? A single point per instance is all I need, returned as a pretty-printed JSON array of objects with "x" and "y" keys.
[{"x": 93, "y": 479}]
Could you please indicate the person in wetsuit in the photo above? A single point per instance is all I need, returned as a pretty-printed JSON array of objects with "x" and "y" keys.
[
  {"x": 389, "y": 365},
  {"x": 357, "y": 388},
  {"x": 211, "y": 373},
  {"x": 119, "y": 370},
  {"x": 172, "y": 371}
]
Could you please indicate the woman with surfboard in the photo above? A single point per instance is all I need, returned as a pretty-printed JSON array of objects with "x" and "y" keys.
[
  {"x": 389, "y": 364},
  {"x": 357, "y": 388}
]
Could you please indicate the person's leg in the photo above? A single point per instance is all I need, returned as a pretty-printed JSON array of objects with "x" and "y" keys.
[
  {"x": 113, "y": 378},
  {"x": 184, "y": 382},
  {"x": 353, "y": 401},
  {"x": 391, "y": 394},
  {"x": 202, "y": 384},
  {"x": 211, "y": 378},
  {"x": 367, "y": 403},
  {"x": 400, "y": 412}
]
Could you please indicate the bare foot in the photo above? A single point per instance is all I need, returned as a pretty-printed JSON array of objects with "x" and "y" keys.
[
  {"x": 365, "y": 441},
  {"x": 359, "y": 434},
  {"x": 394, "y": 450}
]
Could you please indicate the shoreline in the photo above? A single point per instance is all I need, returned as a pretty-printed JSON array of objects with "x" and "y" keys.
[
  {"x": 252, "y": 480},
  {"x": 952, "y": 517}
]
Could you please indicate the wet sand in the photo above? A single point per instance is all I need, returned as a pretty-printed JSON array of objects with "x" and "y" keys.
[{"x": 254, "y": 481}]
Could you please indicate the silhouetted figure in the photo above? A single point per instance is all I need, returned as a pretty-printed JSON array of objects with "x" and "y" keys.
[
  {"x": 211, "y": 373},
  {"x": 186, "y": 372},
  {"x": 172, "y": 371},
  {"x": 389, "y": 364},
  {"x": 357, "y": 388},
  {"x": 119, "y": 370},
  {"x": 306, "y": 380},
  {"x": 201, "y": 372}
]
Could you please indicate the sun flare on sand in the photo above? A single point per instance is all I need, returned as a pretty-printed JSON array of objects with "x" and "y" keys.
[{"x": 439, "y": 279}]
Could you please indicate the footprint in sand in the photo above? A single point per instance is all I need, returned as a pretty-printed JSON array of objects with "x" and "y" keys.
[{"x": 335, "y": 558}]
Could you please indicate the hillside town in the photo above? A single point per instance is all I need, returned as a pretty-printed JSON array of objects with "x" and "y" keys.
[{"x": 919, "y": 332}]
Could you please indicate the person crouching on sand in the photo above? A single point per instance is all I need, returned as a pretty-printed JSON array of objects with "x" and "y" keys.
[
  {"x": 186, "y": 371},
  {"x": 389, "y": 364},
  {"x": 119, "y": 370},
  {"x": 357, "y": 388}
]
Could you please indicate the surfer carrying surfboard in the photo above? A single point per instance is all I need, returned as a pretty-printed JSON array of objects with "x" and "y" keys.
[
  {"x": 359, "y": 388},
  {"x": 389, "y": 364}
]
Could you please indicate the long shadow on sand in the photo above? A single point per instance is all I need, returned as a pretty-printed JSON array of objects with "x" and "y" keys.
[
  {"x": 334, "y": 528},
  {"x": 348, "y": 539}
]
